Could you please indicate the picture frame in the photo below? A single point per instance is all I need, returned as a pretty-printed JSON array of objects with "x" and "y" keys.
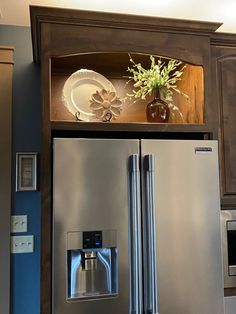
[{"x": 26, "y": 171}]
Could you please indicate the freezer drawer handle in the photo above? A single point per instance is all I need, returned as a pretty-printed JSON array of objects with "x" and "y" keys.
[
  {"x": 151, "y": 302},
  {"x": 135, "y": 236}
]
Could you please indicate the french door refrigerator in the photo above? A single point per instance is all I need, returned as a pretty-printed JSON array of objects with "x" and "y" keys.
[{"x": 136, "y": 227}]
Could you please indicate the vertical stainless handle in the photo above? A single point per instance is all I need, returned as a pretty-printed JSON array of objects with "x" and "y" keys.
[
  {"x": 135, "y": 237},
  {"x": 150, "y": 238}
]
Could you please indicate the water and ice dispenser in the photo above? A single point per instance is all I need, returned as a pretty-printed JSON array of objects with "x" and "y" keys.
[{"x": 92, "y": 265}]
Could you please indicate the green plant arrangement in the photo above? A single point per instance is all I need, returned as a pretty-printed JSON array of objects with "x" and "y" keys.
[{"x": 162, "y": 75}]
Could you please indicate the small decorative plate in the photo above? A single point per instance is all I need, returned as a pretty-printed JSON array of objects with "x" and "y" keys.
[{"x": 78, "y": 89}]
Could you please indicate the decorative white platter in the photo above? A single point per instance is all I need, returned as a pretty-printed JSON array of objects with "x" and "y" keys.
[{"x": 78, "y": 89}]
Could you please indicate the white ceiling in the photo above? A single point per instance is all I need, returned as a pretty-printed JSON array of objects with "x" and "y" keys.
[{"x": 16, "y": 12}]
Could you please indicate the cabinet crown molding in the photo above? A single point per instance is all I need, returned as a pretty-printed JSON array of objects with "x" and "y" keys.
[
  {"x": 223, "y": 39},
  {"x": 40, "y": 14}
]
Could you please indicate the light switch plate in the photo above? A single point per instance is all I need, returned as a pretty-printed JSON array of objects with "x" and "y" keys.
[
  {"x": 22, "y": 244},
  {"x": 19, "y": 223}
]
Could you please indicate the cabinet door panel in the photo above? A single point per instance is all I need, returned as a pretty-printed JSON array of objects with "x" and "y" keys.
[
  {"x": 226, "y": 89},
  {"x": 228, "y": 79}
]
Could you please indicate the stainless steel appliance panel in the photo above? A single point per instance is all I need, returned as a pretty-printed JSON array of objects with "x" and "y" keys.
[
  {"x": 90, "y": 192},
  {"x": 230, "y": 305},
  {"x": 186, "y": 212},
  {"x": 92, "y": 266},
  {"x": 228, "y": 230}
]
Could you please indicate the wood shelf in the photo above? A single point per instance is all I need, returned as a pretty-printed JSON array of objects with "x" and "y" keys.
[{"x": 128, "y": 127}]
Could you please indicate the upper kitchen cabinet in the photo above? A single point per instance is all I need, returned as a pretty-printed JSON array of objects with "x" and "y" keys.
[
  {"x": 224, "y": 95},
  {"x": 84, "y": 58}
]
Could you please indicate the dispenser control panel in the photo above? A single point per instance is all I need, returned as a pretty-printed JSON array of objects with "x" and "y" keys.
[{"x": 92, "y": 239}]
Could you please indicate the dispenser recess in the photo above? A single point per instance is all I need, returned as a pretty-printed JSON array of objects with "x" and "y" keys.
[{"x": 92, "y": 266}]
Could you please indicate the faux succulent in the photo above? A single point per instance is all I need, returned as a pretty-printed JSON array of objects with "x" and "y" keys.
[
  {"x": 105, "y": 105},
  {"x": 162, "y": 75}
]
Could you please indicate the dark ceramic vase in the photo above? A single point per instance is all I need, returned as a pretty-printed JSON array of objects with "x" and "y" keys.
[{"x": 158, "y": 110}]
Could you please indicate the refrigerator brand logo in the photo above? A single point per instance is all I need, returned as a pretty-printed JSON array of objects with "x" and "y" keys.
[{"x": 203, "y": 150}]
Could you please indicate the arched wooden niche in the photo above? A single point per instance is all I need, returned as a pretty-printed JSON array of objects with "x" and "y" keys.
[{"x": 114, "y": 67}]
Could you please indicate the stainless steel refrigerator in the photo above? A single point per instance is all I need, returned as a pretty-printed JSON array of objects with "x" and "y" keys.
[{"x": 136, "y": 227}]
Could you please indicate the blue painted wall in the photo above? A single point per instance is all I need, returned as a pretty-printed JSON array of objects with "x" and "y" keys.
[{"x": 25, "y": 268}]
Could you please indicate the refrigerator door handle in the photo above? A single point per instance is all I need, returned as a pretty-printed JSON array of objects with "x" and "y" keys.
[
  {"x": 150, "y": 237},
  {"x": 135, "y": 237}
]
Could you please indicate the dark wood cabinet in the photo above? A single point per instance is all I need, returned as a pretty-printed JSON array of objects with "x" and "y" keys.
[
  {"x": 224, "y": 95},
  {"x": 66, "y": 40}
]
